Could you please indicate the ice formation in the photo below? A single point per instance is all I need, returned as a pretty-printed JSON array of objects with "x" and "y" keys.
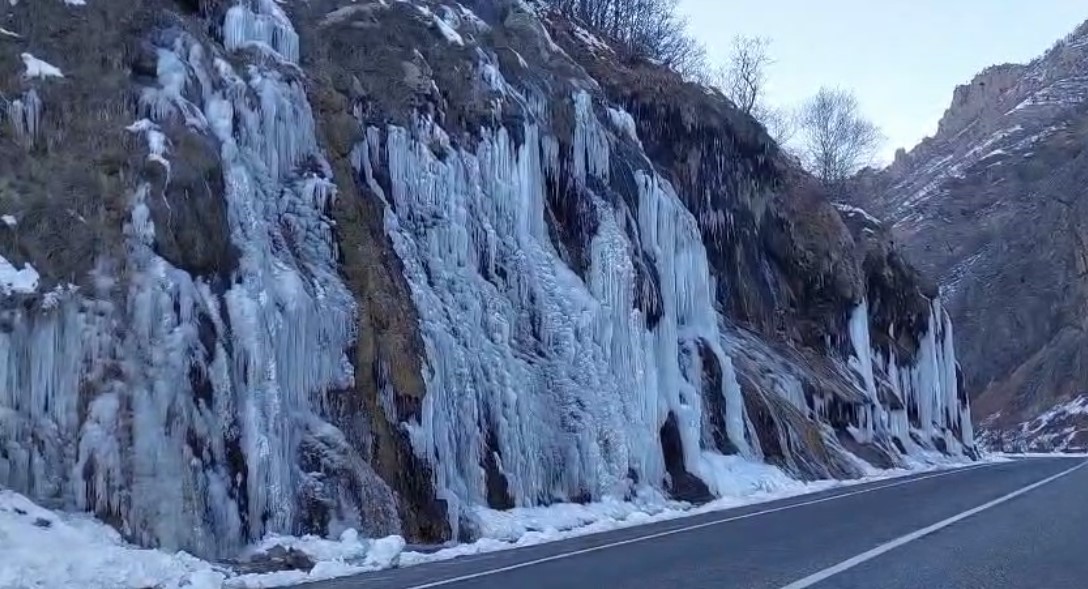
[
  {"x": 204, "y": 391},
  {"x": 262, "y": 22},
  {"x": 25, "y": 116},
  {"x": 926, "y": 388}
]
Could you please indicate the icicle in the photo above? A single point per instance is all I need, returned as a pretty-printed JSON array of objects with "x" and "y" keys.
[
  {"x": 25, "y": 115},
  {"x": 269, "y": 25},
  {"x": 175, "y": 400},
  {"x": 560, "y": 378},
  {"x": 590, "y": 141},
  {"x": 862, "y": 363}
]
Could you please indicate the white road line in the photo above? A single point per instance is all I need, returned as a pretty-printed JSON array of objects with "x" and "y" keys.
[
  {"x": 529, "y": 563},
  {"x": 850, "y": 563}
]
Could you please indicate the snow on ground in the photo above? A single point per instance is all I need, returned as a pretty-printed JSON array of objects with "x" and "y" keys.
[
  {"x": 95, "y": 557},
  {"x": 852, "y": 210},
  {"x": 15, "y": 280},
  {"x": 1060, "y": 429},
  {"x": 45, "y": 550},
  {"x": 36, "y": 68},
  {"x": 1019, "y": 455}
]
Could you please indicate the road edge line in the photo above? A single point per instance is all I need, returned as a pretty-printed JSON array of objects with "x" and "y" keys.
[
  {"x": 868, "y": 555},
  {"x": 665, "y": 533}
]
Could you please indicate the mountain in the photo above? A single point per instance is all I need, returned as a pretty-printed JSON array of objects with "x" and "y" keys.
[
  {"x": 299, "y": 267},
  {"x": 993, "y": 206}
]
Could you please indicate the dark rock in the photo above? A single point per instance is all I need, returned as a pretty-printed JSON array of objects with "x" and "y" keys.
[
  {"x": 714, "y": 401},
  {"x": 276, "y": 558},
  {"x": 682, "y": 485},
  {"x": 498, "y": 490},
  {"x": 189, "y": 210}
]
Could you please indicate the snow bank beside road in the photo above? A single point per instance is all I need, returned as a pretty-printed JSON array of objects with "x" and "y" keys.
[{"x": 46, "y": 550}]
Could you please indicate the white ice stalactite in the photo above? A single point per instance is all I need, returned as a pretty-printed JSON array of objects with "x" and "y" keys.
[
  {"x": 862, "y": 362},
  {"x": 929, "y": 388},
  {"x": 263, "y": 22},
  {"x": 670, "y": 235},
  {"x": 40, "y": 365},
  {"x": 515, "y": 356},
  {"x": 25, "y": 115},
  {"x": 560, "y": 371},
  {"x": 590, "y": 149}
]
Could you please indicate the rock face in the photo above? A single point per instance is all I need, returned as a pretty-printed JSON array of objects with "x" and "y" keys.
[
  {"x": 307, "y": 266},
  {"x": 993, "y": 206}
]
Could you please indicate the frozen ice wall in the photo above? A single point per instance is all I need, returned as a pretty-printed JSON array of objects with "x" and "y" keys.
[
  {"x": 927, "y": 407},
  {"x": 556, "y": 379},
  {"x": 188, "y": 410}
]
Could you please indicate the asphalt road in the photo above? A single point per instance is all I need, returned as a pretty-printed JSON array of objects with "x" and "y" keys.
[{"x": 1002, "y": 526}]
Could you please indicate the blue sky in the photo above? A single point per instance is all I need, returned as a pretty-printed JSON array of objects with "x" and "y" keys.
[{"x": 902, "y": 59}]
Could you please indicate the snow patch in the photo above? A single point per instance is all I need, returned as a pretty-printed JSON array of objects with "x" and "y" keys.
[
  {"x": 625, "y": 123},
  {"x": 9, "y": 220},
  {"x": 44, "y": 549},
  {"x": 1059, "y": 429},
  {"x": 350, "y": 555},
  {"x": 36, "y": 68},
  {"x": 156, "y": 142},
  {"x": 851, "y": 210},
  {"x": 445, "y": 28},
  {"x": 15, "y": 280}
]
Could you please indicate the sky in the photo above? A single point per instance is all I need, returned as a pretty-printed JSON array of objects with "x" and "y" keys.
[{"x": 903, "y": 59}]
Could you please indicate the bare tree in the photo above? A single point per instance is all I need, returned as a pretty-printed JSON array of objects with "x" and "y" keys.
[
  {"x": 836, "y": 139},
  {"x": 744, "y": 78},
  {"x": 781, "y": 124},
  {"x": 647, "y": 28}
]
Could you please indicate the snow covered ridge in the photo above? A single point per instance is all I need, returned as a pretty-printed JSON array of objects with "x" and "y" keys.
[
  {"x": 572, "y": 345},
  {"x": 1062, "y": 428}
]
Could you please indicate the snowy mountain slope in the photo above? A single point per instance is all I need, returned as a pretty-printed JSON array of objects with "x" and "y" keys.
[
  {"x": 992, "y": 206},
  {"x": 312, "y": 267}
]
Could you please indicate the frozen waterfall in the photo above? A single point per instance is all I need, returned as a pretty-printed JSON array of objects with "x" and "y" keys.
[
  {"x": 559, "y": 377},
  {"x": 927, "y": 398},
  {"x": 182, "y": 412}
]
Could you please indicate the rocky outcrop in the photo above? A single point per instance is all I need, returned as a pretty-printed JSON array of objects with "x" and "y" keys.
[
  {"x": 377, "y": 265},
  {"x": 991, "y": 206}
]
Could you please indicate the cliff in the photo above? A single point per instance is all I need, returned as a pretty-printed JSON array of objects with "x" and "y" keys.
[
  {"x": 991, "y": 206},
  {"x": 310, "y": 266}
]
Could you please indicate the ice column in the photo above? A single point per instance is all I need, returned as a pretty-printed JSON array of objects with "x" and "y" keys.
[
  {"x": 862, "y": 362},
  {"x": 261, "y": 21}
]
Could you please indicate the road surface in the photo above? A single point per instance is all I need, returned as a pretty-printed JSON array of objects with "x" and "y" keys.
[{"x": 996, "y": 526}]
